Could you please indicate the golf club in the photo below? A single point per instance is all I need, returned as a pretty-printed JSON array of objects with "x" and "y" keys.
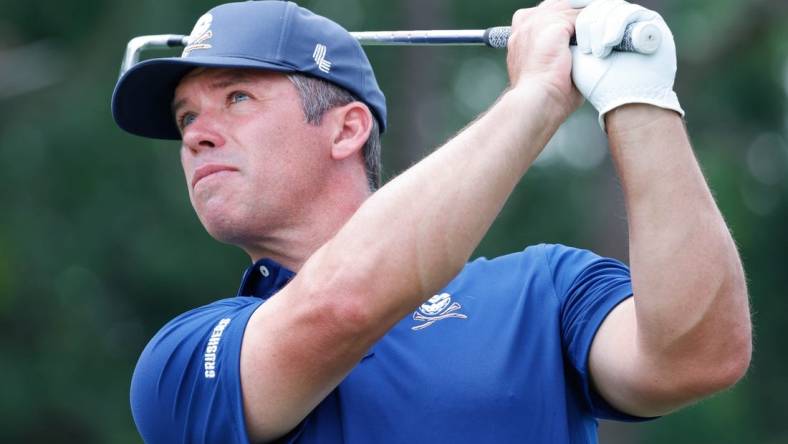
[{"x": 641, "y": 37}]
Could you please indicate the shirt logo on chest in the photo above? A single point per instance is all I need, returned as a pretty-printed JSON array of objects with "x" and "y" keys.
[{"x": 436, "y": 309}]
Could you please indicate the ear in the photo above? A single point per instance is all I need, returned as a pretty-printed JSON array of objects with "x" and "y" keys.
[{"x": 353, "y": 124}]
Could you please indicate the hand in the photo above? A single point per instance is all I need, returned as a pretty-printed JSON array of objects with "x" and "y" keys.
[
  {"x": 538, "y": 51},
  {"x": 611, "y": 79}
]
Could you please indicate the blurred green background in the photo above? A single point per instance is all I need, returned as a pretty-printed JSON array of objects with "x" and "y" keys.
[{"x": 99, "y": 246}]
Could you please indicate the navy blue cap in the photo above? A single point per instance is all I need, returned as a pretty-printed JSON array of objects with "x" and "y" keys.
[{"x": 270, "y": 35}]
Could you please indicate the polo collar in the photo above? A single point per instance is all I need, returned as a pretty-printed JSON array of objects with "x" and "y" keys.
[{"x": 264, "y": 278}]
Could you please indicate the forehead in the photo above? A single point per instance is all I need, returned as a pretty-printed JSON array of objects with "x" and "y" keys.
[
  {"x": 213, "y": 75},
  {"x": 218, "y": 78}
]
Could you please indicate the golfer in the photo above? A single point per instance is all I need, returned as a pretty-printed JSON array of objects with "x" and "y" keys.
[{"x": 360, "y": 320}]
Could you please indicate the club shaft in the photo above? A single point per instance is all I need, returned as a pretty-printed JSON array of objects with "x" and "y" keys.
[
  {"x": 638, "y": 37},
  {"x": 641, "y": 37},
  {"x": 443, "y": 37}
]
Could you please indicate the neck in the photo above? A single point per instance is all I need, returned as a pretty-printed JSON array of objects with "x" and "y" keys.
[{"x": 298, "y": 238}]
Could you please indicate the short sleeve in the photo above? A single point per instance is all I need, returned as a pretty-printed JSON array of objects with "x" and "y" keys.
[
  {"x": 588, "y": 287},
  {"x": 186, "y": 385}
]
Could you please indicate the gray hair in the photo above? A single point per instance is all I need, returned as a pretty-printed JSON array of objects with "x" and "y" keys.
[{"x": 319, "y": 96}]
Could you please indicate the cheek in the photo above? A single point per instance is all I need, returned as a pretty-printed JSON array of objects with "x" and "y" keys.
[
  {"x": 273, "y": 151},
  {"x": 187, "y": 173},
  {"x": 185, "y": 161},
  {"x": 284, "y": 159}
]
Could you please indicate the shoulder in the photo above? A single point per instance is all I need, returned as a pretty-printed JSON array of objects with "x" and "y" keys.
[
  {"x": 556, "y": 268},
  {"x": 193, "y": 328},
  {"x": 571, "y": 268},
  {"x": 187, "y": 375},
  {"x": 536, "y": 258}
]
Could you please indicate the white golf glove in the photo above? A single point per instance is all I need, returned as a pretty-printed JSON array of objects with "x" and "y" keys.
[{"x": 611, "y": 79}]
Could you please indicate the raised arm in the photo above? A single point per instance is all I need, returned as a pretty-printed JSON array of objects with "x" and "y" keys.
[
  {"x": 686, "y": 333},
  {"x": 407, "y": 240}
]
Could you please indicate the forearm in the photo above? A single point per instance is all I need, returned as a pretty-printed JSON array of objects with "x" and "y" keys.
[
  {"x": 691, "y": 302},
  {"x": 412, "y": 236}
]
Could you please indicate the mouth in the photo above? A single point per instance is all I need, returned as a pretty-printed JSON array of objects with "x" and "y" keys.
[{"x": 207, "y": 170}]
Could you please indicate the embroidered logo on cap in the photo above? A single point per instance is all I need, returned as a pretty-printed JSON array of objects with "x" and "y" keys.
[
  {"x": 320, "y": 58},
  {"x": 439, "y": 307},
  {"x": 200, "y": 35}
]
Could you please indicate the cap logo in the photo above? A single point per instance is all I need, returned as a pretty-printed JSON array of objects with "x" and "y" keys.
[
  {"x": 200, "y": 35},
  {"x": 320, "y": 58}
]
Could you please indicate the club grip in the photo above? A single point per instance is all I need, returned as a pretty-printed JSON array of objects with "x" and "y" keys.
[{"x": 641, "y": 37}]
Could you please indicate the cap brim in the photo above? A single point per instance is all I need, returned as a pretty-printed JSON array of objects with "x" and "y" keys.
[{"x": 142, "y": 100}]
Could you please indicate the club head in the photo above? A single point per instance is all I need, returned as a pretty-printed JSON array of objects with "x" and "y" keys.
[{"x": 145, "y": 42}]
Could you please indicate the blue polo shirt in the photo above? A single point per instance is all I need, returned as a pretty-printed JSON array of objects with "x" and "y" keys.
[{"x": 499, "y": 355}]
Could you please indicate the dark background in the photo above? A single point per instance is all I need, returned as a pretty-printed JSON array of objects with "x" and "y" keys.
[{"x": 99, "y": 246}]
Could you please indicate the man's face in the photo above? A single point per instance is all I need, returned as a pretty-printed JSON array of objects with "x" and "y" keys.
[{"x": 250, "y": 159}]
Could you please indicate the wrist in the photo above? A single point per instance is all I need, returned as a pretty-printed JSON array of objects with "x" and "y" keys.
[
  {"x": 635, "y": 118},
  {"x": 666, "y": 100},
  {"x": 538, "y": 105}
]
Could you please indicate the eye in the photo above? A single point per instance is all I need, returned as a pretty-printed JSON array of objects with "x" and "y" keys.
[
  {"x": 238, "y": 96},
  {"x": 186, "y": 119}
]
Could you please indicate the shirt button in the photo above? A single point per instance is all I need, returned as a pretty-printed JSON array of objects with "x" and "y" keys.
[{"x": 264, "y": 271}]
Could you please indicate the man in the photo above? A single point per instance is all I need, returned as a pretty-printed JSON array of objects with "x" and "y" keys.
[{"x": 360, "y": 320}]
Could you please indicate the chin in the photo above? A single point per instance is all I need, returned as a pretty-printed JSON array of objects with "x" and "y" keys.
[
  {"x": 230, "y": 234},
  {"x": 224, "y": 225}
]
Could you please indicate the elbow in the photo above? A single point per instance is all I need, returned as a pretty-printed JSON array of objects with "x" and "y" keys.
[
  {"x": 733, "y": 346},
  {"x": 344, "y": 312},
  {"x": 732, "y": 355},
  {"x": 738, "y": 369},
  {"x": 352, "y": 314},
  {"x": 352, "y": 296},
  {"x": 678, "y": 385},
  {"x": 735, "y": 363},
  {"x": 738, "y": 353},
  {"x": 678, "y": 388},
  {"x": 718, "y": 359},
  {"x": 724, "y": 369},
  {"x": 335, "y": 301}
]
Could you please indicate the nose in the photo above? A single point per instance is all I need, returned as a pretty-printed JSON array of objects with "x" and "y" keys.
[{"x": 202, "y": 134}]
